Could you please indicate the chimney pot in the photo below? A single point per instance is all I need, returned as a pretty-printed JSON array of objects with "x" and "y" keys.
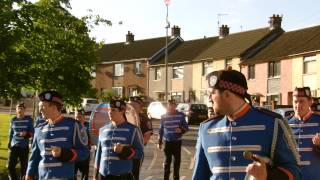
[
  {"x": 175, "y": 31},
  {"x": 223, "y": 31},
  {"x": 275, "y": 21},
  {"x": 129, "y": 38}
]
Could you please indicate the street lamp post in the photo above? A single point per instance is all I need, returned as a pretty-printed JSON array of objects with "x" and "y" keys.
[
  {"x": 166, "y": 55},
  {"x": 166, "y": 51}
]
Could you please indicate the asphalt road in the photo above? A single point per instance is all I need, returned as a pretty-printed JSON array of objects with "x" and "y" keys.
[{"x": 152, "y": 167}]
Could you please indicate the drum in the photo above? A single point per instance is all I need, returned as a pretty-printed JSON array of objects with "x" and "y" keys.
[
  {"x": 132, "y": 116},
  {"x": 99, "y": 118}
]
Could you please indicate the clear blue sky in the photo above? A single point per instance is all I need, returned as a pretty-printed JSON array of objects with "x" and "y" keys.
[{"x": 196, "y": 18}]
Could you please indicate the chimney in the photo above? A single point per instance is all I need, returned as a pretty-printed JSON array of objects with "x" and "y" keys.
[
  {"x": 275, "y": 21},
  {"x": 223, "y": 31},
  {"x": 175, "y": 31},
  {"x": 129, "y": 38}
]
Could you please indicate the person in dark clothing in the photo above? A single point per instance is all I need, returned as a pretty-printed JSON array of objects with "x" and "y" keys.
[
  {"x": 21, "y": 129},
  {"x": 83, "y": 166},
  {"x": 145, "y": 126},
  {"x": 172, "y": 126}
]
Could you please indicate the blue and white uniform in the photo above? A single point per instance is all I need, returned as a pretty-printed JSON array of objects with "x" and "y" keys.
[
  {"x": 221, "y": 143},
  {"x": 19, "y": 145},
  {"x": 110, "y": 163},
  {"x": 65, "y": 134},
  {"x": 304, "y": 130},
  {"x": 19, "y": 125},
  {"x": 168, "y": 124}
]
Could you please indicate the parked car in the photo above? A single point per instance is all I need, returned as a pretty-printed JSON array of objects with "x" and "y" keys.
[
  {"x": 156, "y": 109},
  {"x": 194, "y": 113},
  {"x": 88, "y": 105},
  {"x": 284, "y": 112}
]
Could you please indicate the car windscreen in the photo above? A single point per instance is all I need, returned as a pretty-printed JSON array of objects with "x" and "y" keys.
[{"x": 198, "y": 107}]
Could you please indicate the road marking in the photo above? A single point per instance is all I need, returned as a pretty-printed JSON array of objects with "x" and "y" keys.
[
  {"x": 186, "y": 150},
  {"x": 183, "y": 177},
  {"x": 192, "y": 162},
  {"x": 153, "y": 160},
  {"x": 148, "y": 178}
]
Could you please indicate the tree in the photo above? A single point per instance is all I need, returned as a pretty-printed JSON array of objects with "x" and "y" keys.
[
  {"x": 11, "y": 58},
  {"x": 51, "y": 51}
]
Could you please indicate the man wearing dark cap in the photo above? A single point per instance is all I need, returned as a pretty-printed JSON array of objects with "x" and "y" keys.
[
  {"x": 119, "y": 143},
  {"x": 172, "y": 126},
  {"x": 83, "y": 166},
  {"x": 21, "y": 129},
  {"x": 305, "y": 127},
  {"x": 57, "y": 143},
  {"x": 223, "y": 141},
  {"x": 145, "y": 125}
]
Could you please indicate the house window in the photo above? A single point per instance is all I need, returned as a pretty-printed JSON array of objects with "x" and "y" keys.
[
  {"x": 274, "y": 69},
  {"x": 157, "y": 73},
  {"x": 177, "y": 96},
  {"x": 206, "y": 68},
  {"x": 117, "y": 91},
  {"x": 118, "y": 70},
  {"x": 309, "y": 65},
  {"x": 251, "y": 72},
  {"x": 177, "y": 72},
  {"x": 137, "y": 67},
  {"x": 275, "y": 98},
  {"x": 228, "y": 63}
]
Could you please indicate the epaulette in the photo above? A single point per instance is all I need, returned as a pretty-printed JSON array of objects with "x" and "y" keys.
[
  {"x": 268, "y": 112},
  {"x": 212, "y": 119}
]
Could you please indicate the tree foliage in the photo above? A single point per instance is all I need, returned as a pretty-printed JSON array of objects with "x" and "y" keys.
[{"x": 47, "y": 48}]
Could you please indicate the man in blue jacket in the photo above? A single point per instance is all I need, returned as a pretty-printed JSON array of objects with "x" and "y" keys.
[
  {"x": 119, "y": 143},
  {"x": 58, "y": 142},
  {"x": 21, "y": 130},
  {"x": 305, "y": 127},
  {"x": 264, "y": 138},
  {"x": 172, "y": 126}
]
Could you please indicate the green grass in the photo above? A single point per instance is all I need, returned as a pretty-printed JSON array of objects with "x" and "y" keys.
[{"x": 4, "y": 130}]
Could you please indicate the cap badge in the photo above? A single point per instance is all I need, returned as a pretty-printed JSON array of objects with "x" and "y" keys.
[{"x": 213, "y": 81}]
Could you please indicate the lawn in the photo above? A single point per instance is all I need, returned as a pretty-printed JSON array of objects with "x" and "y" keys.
[{"x": 4, "y": 129}]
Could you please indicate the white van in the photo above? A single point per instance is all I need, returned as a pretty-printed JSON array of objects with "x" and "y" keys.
[{"x": 89, "y": 104}]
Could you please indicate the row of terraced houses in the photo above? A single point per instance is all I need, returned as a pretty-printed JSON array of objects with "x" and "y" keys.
[{"x": 274, "y": 62}]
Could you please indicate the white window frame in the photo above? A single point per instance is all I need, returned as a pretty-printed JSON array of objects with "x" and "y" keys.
[
  {"x": 177, "y": 68},
  {"x": 251, "y": 75},
  {"x": 309, "y": 60},
  {"x": 206, "y": 68},
  {"x": 228, "y": 62},
  {"x": 138, "y": 67},
  {"x": 273, "y": 74},
  {"x": 156, "y": 75},
  {"x": 118, "y": 69},
  {"x": 117, "y": 91}
]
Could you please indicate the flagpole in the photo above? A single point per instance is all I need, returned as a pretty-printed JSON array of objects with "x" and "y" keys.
[{"x": 166, "y": 54}]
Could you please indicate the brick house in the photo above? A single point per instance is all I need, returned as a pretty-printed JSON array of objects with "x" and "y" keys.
[
  {"x": 122, "y": 68},
  {"x": 229, "y": 51},
  {"x": 180, "y": 84},
  {"x": 290, "y": 61}
]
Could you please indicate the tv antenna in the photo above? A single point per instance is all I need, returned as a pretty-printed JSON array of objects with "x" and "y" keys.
[{"x": 218, "y": 17}]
